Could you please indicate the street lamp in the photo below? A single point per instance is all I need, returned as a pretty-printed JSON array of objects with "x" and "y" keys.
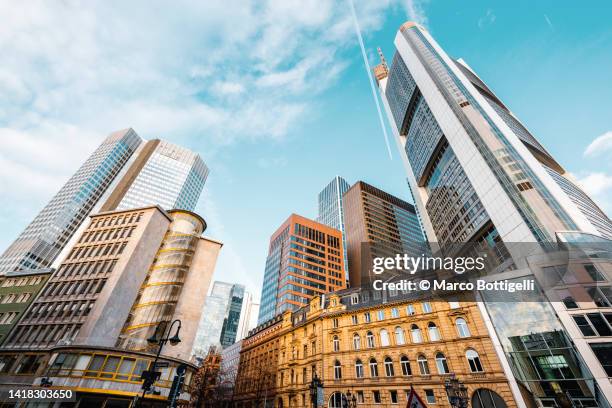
[
  {"x": 160, "y": 336},
  {"x": 315, "y": 384},
  {"x": 457, "y": 392}
]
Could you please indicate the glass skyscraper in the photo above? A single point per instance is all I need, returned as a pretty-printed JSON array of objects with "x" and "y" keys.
[
  {"x": 44, "y": 238},
  {"x": 331, "y": 210},
  {"x": 124, "y": 172},
  {"x": 477, "y": 174}
]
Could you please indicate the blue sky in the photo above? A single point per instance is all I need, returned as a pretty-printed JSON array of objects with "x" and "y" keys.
[{"x": 275, "y": 97}]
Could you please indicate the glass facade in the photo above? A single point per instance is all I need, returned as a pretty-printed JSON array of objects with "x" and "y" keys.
[
  {"x": 331, "y": 210},
  {"x": 173, "y": 177},
  {"x": 234, "y": 309},
  {"x": 43, "y": 240}
]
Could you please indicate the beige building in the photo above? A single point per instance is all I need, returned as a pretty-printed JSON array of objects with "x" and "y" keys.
[{"x": 374, "y": 351}]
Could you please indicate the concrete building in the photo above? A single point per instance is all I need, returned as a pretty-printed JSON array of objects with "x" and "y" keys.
[
  {"x": 123, "y": 172},
  {"x": 359, "y": 346},
  {"x": 248, "y": 316},
  {"x": 477, "y": 174},
  {"x": 378, "y": 224},
  {"x": 17, "y": 291},
  {"x": 130, "y": 271},
  {"x": 304, "y": 260},
  {"x": 331, "y": 210}
]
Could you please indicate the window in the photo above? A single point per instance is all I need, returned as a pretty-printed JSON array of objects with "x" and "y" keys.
[
  {"x": 376, "y": 395},
  {"x": 603, "y": 352},
  {"x": 430, "y": 397},
  {"x": 336, "y": 343},
  {"x": 337, "y": 370},
  {"x": 441, "y": 364},
  {"x": 381, "y": 315},
  {"x": 474, "y": 361},
  {"x": 410, "y": 310},
  {"x": 394, "y": 312},
  {"x": 354, "y": 299},
  {"x": 393, "y": 395},
  {"x": 594, "y": 273},
  {"x": 335, "y": 323},
  {"x": 384, "y": 338},
  {"x": 423, "y": 365},
  {"x": 399, "y": 336},
  {"x": 426, "y": 307},
  {"x": 454, "y": 304},
  {"x": 389, "y": 372},
  {"x": 356, "y": 341},
  {"x": 568, "y": 300},
  {"x": 598, "y": 296},
  {"x": 370, "y": 340},
  {"x": 354, "y": 318},
  {"x": 415, "y": 334},
  {"x": 366, "y": 317},
  {"x": 434, "y": 333},
  {"x": 600, "y": 324},
  {"x": 584, "y": 325},
  {"x": 462, "y": 327},
  {"x": 373, "y": 368},
  {"x": 358, "y": 369},
  {"x": 360, "y": 398},
  {"x": 405, "y": 363}
]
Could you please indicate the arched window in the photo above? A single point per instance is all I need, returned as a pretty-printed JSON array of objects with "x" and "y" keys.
[
  {"x": 410, "y": 310},
  {"x": 423, "y": 365},
  {"x": 337, "y": 370},
  {"x": 415, "y": 334},
  {"x": 474, "y": 361},
  {"x": 336, "y": 343},
  {"x": 373, "y": 368},
  {"x": 441, "y": 364},
  {"x": 384, "y": 338},
  {"x": 370, "y": 339},
  {"x": 484, "y": 398},
  {"x": 356, "y": 341},
  {"x": 399, "y": 336},
  {"x": 462, "y": 327},
  {"x": 389, "y": 372},
  {"x": 434, "y": 333},
  {"x": 405, "y": 363},
  {"x": 358, "y": 369}
]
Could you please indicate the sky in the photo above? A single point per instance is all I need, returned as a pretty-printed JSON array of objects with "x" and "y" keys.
[{"x": 275, "y": 97}]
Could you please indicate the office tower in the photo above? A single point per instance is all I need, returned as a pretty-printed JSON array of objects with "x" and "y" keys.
[
  {"x": 304, "y": 260},
  {"x": 43, "y": 239},
  {"x": 331, "y": 211},
  {"x": 248, "y": 316},
  {"x": 381, "y": 225},
  {"x": 17, "y": 291},
  {"x": 162, "y": 174},
  {"x": 477, "y": 174},
  {"x": 129, "y": 271},
  {"x": 218, "y": 326},
  {"x": 123, "y": 172}
]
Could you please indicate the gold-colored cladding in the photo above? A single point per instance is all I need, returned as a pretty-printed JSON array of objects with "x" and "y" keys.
[{"x": 380, "y": 72}]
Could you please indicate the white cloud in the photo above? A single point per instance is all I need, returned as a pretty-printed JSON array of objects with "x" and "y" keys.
[
  {"x": 486, "y": 20},
  {"x": 599, "y": 145},
  {"x": 599, "y": 185},
  {"x": 415, "y": 11}
]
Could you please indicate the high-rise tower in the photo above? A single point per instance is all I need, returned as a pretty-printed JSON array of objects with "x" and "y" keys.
[
  {"x": 477, "y": 174},
  {"x": 304, "y": 260},
  {"x": 123, "y": 172},
  {"x": 331, "y": 210}
]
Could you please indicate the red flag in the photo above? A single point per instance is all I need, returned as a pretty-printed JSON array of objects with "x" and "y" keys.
[{"x": 414, "y": 401}]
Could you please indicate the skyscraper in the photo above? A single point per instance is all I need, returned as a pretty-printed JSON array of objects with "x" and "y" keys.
[
  {"x": 477, "y": 174},
  {"x": 331, "y": 210},
  {"x": 248, "y": 316},
  {"x": 378, "y": 223},
  {"x": 219, "y": 323},
  {"x": 123, "y": 172},
  {"x": 304, "y": 260}
]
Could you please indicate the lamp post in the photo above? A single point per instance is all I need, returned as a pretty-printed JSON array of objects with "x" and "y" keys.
[
  {"x": 457, "y": 392},
  {"x": 163, "y": 330},
  {"x": 315, "y": 384}
]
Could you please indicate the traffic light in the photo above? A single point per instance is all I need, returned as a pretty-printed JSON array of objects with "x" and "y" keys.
[{"x": 177, "y": 385}]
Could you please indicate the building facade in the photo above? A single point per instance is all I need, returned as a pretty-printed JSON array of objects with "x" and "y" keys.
[
  {"x": 17, "y": 291},
  {"x": 124, "y": 172},
  {"x": 248, "y": 316},
  {"x": 130, "y": 272},
  {"x": 359, "y": 346},
  {"x": 304, "y": 260},
  {"x": 219, "y": 324},
  {"x": 331, "y": 210},
  {"x": 378, "y": 224},
  {"x": 477, "y": 174}
]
